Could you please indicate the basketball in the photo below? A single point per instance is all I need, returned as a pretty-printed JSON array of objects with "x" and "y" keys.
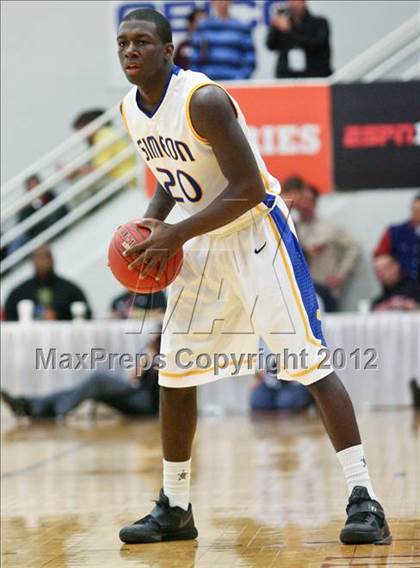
[{"x": 125, "y": 236}]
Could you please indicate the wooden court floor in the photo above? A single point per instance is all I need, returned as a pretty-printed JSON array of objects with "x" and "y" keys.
[{"x": 267, "y": 492}]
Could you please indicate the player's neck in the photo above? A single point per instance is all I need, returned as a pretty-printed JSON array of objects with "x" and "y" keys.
[{"x": 151, "y": 90}]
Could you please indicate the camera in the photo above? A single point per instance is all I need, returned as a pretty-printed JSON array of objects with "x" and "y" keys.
[{"x": 284, "y": 12}]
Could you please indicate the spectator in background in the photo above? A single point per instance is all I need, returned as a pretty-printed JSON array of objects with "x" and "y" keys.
[
  {"x": 46, "y": 197},
  {"x": 183, "y": 52},
  {"x": 271, "y": 393},
  {"x": 101, "y": 136},
  {"x": 52, "y": 295},
  {"x": 134, "y": 305},
  {"x": 222, "y": 46},
  {"x": 137, "y": 397},
  {"x": 291, "y": 191},
  {"x": 31, "y": 183},
  {"x": 403, "y": 243},
  {"x": 302, "y": 41},
  {"x": 331, "y": 252},
  {"x": 398, "y": 291}
]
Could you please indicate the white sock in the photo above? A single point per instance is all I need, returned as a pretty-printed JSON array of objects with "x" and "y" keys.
[
  {"x": 355, "y": 469},
  {"x": 176, "y": 483}
]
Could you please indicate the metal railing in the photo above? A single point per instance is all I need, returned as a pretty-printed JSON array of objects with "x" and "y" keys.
[
  {"x": 77, "y": 197},
  {"x": 384, "y": 55}
]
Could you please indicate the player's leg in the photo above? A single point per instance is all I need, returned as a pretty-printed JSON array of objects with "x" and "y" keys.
[
  {"x": 337, "y": 413},
  {"x": 172, "y": 517},
  {"x": 296, "y": 325},
  {"x": 366, "y": 521}
]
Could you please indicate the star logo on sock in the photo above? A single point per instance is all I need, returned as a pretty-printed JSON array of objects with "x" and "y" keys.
[{"x": 182, "y": 475}]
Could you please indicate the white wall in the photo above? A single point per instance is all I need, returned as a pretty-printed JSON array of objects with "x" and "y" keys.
[
  {"x": 56, "y": 59},
  {"x": 54, "y": 63}
]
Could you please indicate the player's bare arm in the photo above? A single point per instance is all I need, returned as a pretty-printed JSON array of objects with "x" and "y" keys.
[
  {"x": 214, "y": 119},
  {"x": 160, "y": 205}
]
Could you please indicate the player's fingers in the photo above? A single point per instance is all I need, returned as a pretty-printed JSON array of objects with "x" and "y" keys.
[
  {"x": 162, "y": 267},
  {"x": 137, "y": 248},
  {"x": 147, "y": 267},
  {"x": 137, "y": 261}
]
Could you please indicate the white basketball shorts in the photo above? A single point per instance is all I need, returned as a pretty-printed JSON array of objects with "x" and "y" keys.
[{"x": 231, "y": 291}]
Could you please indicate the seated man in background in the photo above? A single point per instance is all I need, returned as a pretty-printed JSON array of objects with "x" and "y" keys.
[
  {"x": 398, "y": 291},
  {"x": 332, "y": 253},
  {"x": 137, "y": 397},
  {"x": 302, "y": 41},
  {"x": 134, "y": 305},
  {"x": 271, "y": 393},
  {"x": 183, "y": 52},
  {"x": 403, "y": 242},
  {"x": 51, "y": 295},
  {"x": 222, "y": 46}
]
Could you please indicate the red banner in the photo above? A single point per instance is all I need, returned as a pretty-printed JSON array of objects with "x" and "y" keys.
[{"x": 292, "y": 128}]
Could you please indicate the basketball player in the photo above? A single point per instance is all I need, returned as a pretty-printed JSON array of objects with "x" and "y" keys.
[{"x": 242, "y": 264}]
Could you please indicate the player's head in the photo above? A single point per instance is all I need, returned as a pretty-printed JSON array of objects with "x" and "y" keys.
[
  {"x": 387, "y": 269},
  {"x": 415, "y": 210},
  {"x": 43, "y": 261},
  {"x": 145, "y": 47}
]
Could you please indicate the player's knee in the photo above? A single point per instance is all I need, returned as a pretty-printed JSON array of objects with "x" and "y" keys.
[{"x": 328, "y": 382}]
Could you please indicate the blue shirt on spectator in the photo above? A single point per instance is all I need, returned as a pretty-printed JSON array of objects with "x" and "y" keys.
[{"x": 223, "y": 49}]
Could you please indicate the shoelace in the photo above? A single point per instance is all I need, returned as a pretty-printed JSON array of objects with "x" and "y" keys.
[{"x": 151, "y": 518}]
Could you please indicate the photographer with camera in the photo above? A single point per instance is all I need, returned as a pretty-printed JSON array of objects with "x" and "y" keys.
[{"x": 302, "y": 41}]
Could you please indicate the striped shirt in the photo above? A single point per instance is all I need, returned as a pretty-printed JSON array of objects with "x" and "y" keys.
[{"x": 223, "y": 49}]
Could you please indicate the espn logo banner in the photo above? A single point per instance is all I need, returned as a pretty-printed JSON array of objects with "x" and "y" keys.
[{"x": 377, "y": 135}]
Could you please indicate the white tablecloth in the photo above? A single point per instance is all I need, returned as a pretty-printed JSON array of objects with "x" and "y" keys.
[{"x": 394, "y": 336}]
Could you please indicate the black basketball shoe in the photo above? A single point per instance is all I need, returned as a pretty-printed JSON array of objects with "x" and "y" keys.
[
  {"x": 366, "y": 523},
  {"x": 16, "y": 403},
  {"x": 163, "y": 523}
]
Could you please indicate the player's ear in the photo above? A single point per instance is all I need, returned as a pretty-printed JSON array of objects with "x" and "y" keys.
[{"x": 169, "y": 51}]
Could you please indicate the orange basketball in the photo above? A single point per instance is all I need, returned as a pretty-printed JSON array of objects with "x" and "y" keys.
[{"x": 124, "y": 237}]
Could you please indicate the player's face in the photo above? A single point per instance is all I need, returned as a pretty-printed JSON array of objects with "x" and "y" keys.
[{"x": 141, "y": 51}]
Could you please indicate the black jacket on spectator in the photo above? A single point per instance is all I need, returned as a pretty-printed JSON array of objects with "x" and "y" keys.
[
  {"x": 404, "y": 289},
  {"x": 53, "y": 293},
  {"x": 311, "y": 35},
  {"x": 49, "y": 220},
  {"x": 129, "y": 304}
]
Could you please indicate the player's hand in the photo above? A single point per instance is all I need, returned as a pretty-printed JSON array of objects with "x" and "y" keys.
[{"x": 155, "y": 251}]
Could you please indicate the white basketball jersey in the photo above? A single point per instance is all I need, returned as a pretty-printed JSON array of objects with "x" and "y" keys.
[{"x": 181, "y": 160}]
